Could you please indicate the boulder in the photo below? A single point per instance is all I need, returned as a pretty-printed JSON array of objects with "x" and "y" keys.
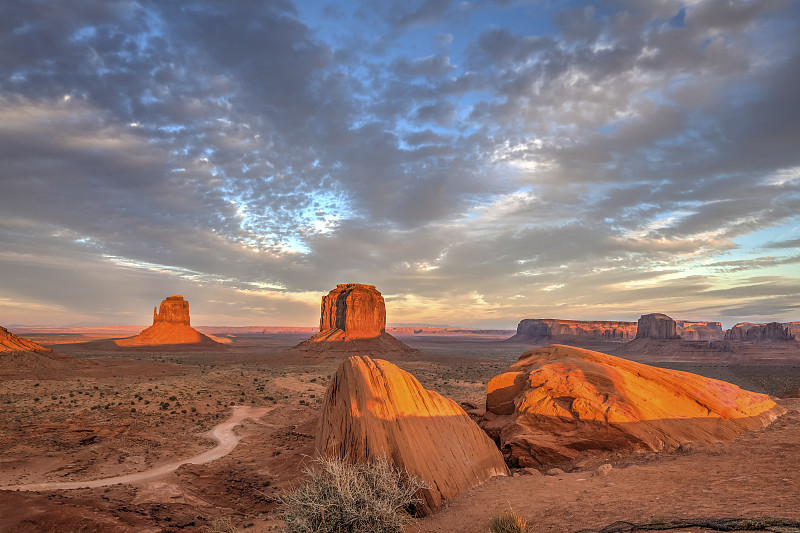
[
  {"x": 374, "y": 409},
  {"x": 536, "y": 329},
  {"x": 558, "y": 402},
  {"x": 656, "y": 326},
  {"x": 170, "y": 328}
]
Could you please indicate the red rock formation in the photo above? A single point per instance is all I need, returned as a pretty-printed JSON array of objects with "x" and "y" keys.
[
  {"x": 558, "y": 402},
  {"x": 173, "y": 310},
  {"x": 10, "y": 343},
  {"x": 352, "y": 311},
  {"x": 537, "y": 329},
  {"x": 373, "y": 409},
  {"x": 759, "y": 333},
  {"x": 170, "y": 327},
  {"x": 656, "y": 326},
  {"x": 353, "y": 321},
  {"x": 699, "y": 331},
  {"x": 22, "y": 357}
]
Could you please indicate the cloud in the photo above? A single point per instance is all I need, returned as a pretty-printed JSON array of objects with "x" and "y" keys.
[{"x": 626, "y": 158}]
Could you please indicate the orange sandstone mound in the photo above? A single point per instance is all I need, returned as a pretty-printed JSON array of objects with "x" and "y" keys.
[
  {"x": 374, "y": 409},
  {"x": 558, "y": 402},
  {"x": 21, "y": 355},
  {"x": 170, "y": 326},
  {"x": 353, "y": 321}
]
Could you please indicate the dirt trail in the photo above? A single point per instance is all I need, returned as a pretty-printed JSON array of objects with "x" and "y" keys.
[{"x": 222, "y": 433}]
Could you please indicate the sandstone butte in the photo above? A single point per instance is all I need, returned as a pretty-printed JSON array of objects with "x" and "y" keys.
[
  {"x": 559, "y": 402},
  {"x": 170, "y": 326},
  {"x": 353, "y": 319},
  {"x": 656, "y": 326},
  {"x": 374, "y": 409}
]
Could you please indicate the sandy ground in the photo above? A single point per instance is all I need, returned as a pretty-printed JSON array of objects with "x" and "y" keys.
[{"x": 137, "y": 410}]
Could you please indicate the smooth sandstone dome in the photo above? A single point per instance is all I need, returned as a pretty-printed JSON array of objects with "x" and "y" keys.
[
  {"x": 558, "y": 401},
  {"x": 374, "y": 409},
  {"x": 170, "y": 326}
]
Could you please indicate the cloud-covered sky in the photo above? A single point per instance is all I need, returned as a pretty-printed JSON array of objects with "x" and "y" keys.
[{"x": 478, "y": 161}]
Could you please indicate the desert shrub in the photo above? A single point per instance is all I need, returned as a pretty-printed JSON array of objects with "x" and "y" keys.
[
  {"x": 340, "y": 497},
  {"x": 222, "y": 525},
  {"x": 508, "y": 522}
]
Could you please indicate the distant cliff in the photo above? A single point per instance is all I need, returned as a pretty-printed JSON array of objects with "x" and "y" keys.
[
  {"x": 700, "y": 331},
  {"x": 763, "y": 333},
  {"x": 532, "y": 329}
]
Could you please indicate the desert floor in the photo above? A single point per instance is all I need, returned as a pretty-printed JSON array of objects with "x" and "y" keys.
[{"x": 130, "y": 411}]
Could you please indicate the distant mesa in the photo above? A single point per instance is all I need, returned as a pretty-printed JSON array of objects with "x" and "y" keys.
[
  {"x": 558, "y": 402},
  {"x": 19, "y": 355},
  {"x": 170, "y": 327},
  {"x": 374, "y": 409},
  {"x": 353, "y": 320},
  {"x": 699, "y": 331},
  {"x": 533, "y": 329},
  {"x": 656, "y": 326},
  {"x": 763, "y": 333}
]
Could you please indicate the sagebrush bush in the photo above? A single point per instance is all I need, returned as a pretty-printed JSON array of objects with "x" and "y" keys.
[
  {"x": 222, "y": 525},
  {"x": 508, "y": 522},
  {"x": 344, "y": 498}
]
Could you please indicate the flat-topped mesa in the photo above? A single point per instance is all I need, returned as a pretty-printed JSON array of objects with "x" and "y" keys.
[
  {"x": 374, "y": 409},
  {"x": 173, "y": 310},
  {"x": 532, "y": 329},
  {"x": 357, "y": 311},
  {"x": 700, "y": 331},
  {"x": 760, "y": 333},
  {"x": 656, "y": 326}
]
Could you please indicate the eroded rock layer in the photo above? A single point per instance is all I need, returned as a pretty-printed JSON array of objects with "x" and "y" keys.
[
  {"x": 558, "y": 402},
  {"x": 20, "y": 356},
  {"x": 533, "y": 329},
  {"x": 656, "y": 326},
  {"x": 170, "y": 327},
  {"x": 374, "y": 409}
]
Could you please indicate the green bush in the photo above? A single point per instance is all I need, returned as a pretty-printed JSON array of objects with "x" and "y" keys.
[
  {"x": 508, "y": 522},
  {"x": 339, "y": 497}
]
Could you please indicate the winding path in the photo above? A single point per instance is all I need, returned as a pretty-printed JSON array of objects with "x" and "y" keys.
[{"x": 222, "y": 433}]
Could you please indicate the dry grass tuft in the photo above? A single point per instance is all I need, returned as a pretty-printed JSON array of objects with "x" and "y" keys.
[
  {"x": 372, "y": 497},
  {"x": 508, "y": 522}
]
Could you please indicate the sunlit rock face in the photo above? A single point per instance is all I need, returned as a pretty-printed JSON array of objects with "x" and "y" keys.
[
  {"x": 559, "y": 402},
  {"x": 352, "y": 311},
  {"x": 170, "y": 327},
  {"x": 374, "y": 409},
  {"x": 10, "y": 343},
  {"x": 699, "y": 331},
  {"x": 656, "y": 326},
  {"x": 533, "y": 329},
  {"x": 173, "y": 310},
  {"x": 760, "y": 333}
]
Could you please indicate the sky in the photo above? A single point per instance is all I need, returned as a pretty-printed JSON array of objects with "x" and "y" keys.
[{"x": 478, "y": 161}]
